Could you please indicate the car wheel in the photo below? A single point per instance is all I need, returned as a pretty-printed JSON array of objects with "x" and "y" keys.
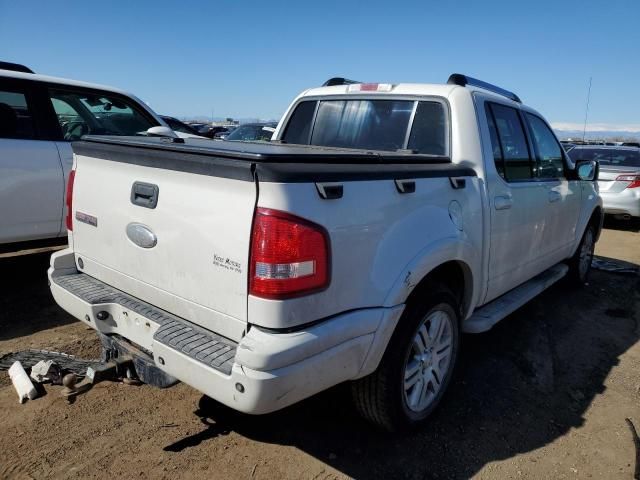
[
  {"x": 417, "y": 366},
  {"x": 580, "y": 263}
]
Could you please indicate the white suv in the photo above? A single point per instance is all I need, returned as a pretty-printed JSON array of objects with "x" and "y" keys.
[{"x": 39, "y": 118}]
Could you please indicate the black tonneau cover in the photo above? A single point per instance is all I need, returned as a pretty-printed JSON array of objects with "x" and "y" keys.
[{"x": 271, "y": 162}]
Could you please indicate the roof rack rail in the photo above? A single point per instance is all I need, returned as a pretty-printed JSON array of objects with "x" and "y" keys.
[
  {"x": 464, "y": 80},
  {"x": 339, "y": 81},
  {"x": 15, "y": 67}
]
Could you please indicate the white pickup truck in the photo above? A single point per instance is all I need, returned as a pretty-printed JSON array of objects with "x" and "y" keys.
[{"x": 381, "y": 222}]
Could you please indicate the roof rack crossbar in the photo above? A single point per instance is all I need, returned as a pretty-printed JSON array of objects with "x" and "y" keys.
[
  {"x": 15, "y": 67},
  {"x": 464, "y": 80},
  {"x": 339, "y": 81}
]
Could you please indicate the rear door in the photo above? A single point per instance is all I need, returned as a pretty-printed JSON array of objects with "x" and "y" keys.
[
  {"x": 31, "y": 179},
  {"x": 515, "y": 200}
]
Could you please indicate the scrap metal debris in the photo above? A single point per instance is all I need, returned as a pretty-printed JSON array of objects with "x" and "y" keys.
[
  {"x": 615, "y": 267},
  {"x": 29, "y": 358},
  {"x": 22, "y": 383},
  {"x": 47, "y": 371}
]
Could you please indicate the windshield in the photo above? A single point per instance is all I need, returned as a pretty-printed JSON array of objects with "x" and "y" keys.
[
  {"x": 251, "y": 132},
  {"x": 613, "y": 157},
  {"x": 371, "y": 125},
  {"x": 87, "y": 113}
]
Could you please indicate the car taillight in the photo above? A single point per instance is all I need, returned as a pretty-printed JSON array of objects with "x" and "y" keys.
[
  {"x": 289, "y": 256},
  {"x": 69, "y": 200},
  {"x": 634, "y": 179}
]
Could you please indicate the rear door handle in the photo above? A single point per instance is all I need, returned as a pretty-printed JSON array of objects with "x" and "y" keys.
[
  {"x": 503, "y": 202},
  {"x": 554, "y": 196},
  {"x": 144, "y": 194}
]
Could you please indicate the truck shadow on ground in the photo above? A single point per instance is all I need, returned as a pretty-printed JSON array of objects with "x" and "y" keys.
[
  {"x": 518, "y": 388},
  {"x": 631, "y": 225},
  {"x": 26, "y": 305}
]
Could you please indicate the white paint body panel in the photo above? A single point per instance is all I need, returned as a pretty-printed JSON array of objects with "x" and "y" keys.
[
  {"x": 31, "y": 190},
  {"x": 378, "y": 237}
]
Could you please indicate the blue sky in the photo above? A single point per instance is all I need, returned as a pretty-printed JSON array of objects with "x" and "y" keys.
[{"x": 249, "y": 59}]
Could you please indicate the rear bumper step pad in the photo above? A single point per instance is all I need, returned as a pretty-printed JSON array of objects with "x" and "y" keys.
[{"x": 181, "y": 335}]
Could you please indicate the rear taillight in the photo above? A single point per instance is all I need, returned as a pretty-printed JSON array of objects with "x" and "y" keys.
[
  {"x": 69, "y": 200},
  {"x": 289, "y": 256},
  {"x": 634, "y": 179}
]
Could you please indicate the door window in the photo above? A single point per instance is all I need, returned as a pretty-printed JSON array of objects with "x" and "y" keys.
[
  {"x": 548, "y": 151},
  {"x": 82, "y": 113},
  {"x": 16, "y": 120},
  {"x": 511, "y": 154}
]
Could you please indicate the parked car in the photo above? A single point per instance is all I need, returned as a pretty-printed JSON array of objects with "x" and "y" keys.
[
  {"x": 382, "y": 221},
  {"x": 39, "y": 118},
  {"x": 252, "y": 132},
  {"x": 619, "y": 179},
  {"x": 186, "y": 131},
  {"x": 223, "y": 132}
]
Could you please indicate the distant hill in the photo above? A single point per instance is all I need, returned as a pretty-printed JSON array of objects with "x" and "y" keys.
[
  {"x": 597, "y": 131},
  {"x": 612, "y": 135}
]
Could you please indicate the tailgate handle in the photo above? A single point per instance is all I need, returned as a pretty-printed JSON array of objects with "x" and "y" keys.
[
  {"x": 144, "y": 194},
  {"x": 405, "y": 186},
  {"x": 330, "y": 191}
]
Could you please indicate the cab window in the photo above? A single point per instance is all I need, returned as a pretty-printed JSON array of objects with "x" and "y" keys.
[{"x": 419, "y": 127}]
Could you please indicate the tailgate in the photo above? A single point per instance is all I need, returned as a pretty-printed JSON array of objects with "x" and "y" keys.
[{"x": 188, "y": 254}]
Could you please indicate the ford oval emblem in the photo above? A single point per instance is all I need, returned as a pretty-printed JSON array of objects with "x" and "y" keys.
[{"x": 141, "y": 235}]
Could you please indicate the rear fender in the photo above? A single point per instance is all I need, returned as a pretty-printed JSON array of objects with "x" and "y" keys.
[{"x": 453, "y": 248}]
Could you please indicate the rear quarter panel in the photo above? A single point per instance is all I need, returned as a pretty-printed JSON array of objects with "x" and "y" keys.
[{"x": 382, "y": 242}]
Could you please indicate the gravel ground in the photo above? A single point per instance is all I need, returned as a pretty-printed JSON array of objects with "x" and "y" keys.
[{"x": 545, "y": 394}]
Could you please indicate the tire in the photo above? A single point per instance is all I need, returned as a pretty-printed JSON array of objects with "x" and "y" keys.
[
  {"x": 381, "y": 397},
  {"x": 580, "y": 263}
]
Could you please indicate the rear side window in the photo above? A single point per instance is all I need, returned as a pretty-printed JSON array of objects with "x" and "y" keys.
[
  {"x": 16, "y": 120},
  {"x": 514, "y": 159},
  {"x": 96, "y": 113},
  {"x": 548, "y": 150},
  {"x": 370, "y": 125},
  {"x": 428, "y": 133},
  {"x": 299, "y": 125}
]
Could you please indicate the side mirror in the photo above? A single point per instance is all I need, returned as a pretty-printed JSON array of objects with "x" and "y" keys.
[
  {"x": 587, "y": 170},
  {"x": 161, "y": 132}
]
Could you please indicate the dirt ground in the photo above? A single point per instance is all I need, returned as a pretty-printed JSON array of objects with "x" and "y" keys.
[{"x": 545, "y": 394}]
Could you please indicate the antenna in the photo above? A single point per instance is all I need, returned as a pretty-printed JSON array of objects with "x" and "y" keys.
[{"x": 586, "y": 113}]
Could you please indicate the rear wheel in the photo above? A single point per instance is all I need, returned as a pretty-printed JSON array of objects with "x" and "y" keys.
[
  {"x": 417, "y": 366},
  {"x": 580, "y": 263}
]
